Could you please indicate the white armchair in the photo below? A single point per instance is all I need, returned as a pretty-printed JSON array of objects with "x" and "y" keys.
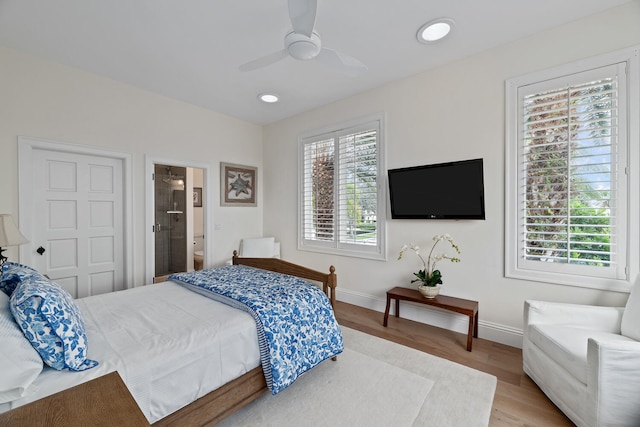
[{"x": 586, "y": 359}]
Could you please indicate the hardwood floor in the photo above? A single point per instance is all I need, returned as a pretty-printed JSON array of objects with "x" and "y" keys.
[{"x": 517, "y": 402}]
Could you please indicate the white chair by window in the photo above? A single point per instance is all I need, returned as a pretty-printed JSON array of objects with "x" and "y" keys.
[
  {"x": 259, "y": 247},
  {"x": 586, "y": 359}
]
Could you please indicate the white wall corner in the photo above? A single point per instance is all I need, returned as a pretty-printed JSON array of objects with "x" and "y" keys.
[{"x": 432, "y": 316}]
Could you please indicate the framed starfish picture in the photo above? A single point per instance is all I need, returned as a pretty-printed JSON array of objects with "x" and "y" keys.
[{"x": 238, "y": 184}]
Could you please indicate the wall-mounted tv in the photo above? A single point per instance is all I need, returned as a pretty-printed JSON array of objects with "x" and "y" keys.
[{"x": 453, "y": 190}]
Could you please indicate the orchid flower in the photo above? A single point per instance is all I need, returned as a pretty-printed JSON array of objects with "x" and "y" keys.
[{"x": 429, "y": 276}]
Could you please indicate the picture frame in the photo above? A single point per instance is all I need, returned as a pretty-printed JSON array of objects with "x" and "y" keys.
[
  {"x": 197, "y": 197},
  {"x": 238, "y": 185}
]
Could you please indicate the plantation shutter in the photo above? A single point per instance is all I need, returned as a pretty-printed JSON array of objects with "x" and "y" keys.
[
  {"x": 357, "y": 198},
  {"x": 318, "y": 190},
  {"x": 340, "y": 201},
  {"x": 572, "y": 197}
]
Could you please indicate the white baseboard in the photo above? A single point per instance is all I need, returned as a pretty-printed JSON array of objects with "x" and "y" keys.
[{"x": 436, "y": 317}]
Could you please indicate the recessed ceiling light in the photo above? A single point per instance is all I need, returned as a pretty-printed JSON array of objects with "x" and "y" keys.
[
  {"x": 435, "y": 30},
  {"x": 269, "y": 98}
]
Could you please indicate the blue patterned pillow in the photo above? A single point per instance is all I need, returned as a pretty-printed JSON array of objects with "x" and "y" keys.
[
  {"x": 12, "y": 274},
  {"x": 52, "y": 323}
]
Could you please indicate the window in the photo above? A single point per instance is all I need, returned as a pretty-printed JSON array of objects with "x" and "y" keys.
[
  {"x": 569, "y": 216},
  {"x": 341, "y": 197}
]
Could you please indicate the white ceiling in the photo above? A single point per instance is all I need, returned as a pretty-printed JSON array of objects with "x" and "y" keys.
[{"x": 191, "y": 49}]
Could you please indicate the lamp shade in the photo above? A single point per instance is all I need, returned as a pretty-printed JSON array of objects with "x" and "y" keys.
[{"x": 9, "y": 233}]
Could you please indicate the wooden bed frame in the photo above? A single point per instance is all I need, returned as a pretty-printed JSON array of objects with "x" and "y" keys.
[{"x": 224, "y": 401}]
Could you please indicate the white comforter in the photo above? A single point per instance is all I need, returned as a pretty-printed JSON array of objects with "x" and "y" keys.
[{"x": 169, "y": 345}]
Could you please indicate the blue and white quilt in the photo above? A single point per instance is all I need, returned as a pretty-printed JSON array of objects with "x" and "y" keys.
[{"x": 297, "y": 328}]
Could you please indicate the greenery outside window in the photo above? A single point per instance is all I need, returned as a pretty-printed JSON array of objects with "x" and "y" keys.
[
  {"x": 341, "y": 194},
  {"x": 570, "y": 219}
]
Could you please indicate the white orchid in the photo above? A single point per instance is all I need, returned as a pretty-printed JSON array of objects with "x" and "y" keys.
[{"x": 429, "y": 276}]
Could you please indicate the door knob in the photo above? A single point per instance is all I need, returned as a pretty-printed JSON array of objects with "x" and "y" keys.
[{"x": 40, "y": 250}]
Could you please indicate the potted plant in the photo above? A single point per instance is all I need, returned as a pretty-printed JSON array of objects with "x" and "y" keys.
[{"x": 429, "y": 279}]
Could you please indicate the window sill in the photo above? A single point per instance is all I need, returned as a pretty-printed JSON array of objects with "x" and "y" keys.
[
  {"x": 343, "y": 252},
  {"x": 613, "y": 285}
]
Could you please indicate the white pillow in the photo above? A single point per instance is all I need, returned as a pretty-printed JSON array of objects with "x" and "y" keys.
[
  {"x": 260, "y": 247},
  {"x": 630, "y": 326},
  {"x": 20, "y": 363}
]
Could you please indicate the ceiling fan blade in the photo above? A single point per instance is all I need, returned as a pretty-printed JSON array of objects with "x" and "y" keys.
[
  {"x": 341, "y": 62},
  {"x": 303, "y": 15},
  {"x": 266, "y": 60}
]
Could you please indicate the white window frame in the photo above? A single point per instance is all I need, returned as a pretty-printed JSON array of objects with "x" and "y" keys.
[
  {"x": 629, "y": 141},
  {"x": 376, "y": 252}
]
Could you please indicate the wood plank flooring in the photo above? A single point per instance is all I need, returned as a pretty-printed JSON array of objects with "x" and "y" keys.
[{"x": 517, "y": 402}]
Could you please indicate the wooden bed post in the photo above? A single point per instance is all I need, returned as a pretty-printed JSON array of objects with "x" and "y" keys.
[{"x": 332, "y": 282}]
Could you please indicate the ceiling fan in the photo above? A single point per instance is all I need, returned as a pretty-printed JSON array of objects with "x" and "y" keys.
[{"x": 303, "y": 43}]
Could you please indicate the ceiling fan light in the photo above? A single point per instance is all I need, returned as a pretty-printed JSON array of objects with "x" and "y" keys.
[
  {"x": 269, "y": 98},
  {"x": 302, "y": 47},
  {"x": 435, "y": 30},
  {"x": 303, "y": 50}
]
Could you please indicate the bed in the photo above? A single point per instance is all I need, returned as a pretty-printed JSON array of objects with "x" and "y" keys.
[{"x": 209, "y": 378}]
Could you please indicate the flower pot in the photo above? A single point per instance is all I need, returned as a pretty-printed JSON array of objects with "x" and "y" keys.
[{"x": 429, "y": 291}]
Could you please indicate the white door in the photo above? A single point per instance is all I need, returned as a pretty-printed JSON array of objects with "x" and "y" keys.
[{"x": 76, "y": 222}]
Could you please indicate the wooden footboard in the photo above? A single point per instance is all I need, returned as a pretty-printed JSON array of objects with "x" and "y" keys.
[{"x": 224, "y": 401}]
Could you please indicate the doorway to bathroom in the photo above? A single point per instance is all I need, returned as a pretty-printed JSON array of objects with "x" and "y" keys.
[
  {"x": 170, "y": 219},
  {"x": 177, "y": 195}
]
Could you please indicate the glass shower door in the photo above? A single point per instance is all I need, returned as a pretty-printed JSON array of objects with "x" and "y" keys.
[{"x": 170, "y": 220}]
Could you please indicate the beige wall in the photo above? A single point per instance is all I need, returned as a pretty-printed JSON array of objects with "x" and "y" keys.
[
  {"x": 451, "y": 113},
  {"x": 44, "y": 100}
]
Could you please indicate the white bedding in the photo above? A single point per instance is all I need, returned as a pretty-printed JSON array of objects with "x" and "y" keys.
[{"x": 170, "y": 346}]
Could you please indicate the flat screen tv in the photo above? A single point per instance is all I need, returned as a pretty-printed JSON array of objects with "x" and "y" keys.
[{"x": 453, "y": 190}]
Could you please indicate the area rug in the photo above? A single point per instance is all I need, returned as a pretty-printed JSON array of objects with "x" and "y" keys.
[{"x": 376, "y": 382}]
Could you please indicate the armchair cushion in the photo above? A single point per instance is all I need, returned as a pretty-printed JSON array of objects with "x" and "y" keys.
[
  {"x": 567, "y": 345},
  {"x": 630, "y": 325}
]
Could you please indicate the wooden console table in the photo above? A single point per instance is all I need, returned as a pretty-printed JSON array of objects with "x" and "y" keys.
[
  {"x": 458, "y": 305},
  {"x": 105, "y": 401}
]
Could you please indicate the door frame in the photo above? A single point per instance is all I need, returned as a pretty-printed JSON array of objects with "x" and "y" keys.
[
  {"x": 26, "y": 147},
  {"x": 150, "y": 251}
]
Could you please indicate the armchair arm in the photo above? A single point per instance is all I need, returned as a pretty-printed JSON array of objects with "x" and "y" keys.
[
  {"x": 588, "y": 316},
  {"x": 613, "y": 382}
]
